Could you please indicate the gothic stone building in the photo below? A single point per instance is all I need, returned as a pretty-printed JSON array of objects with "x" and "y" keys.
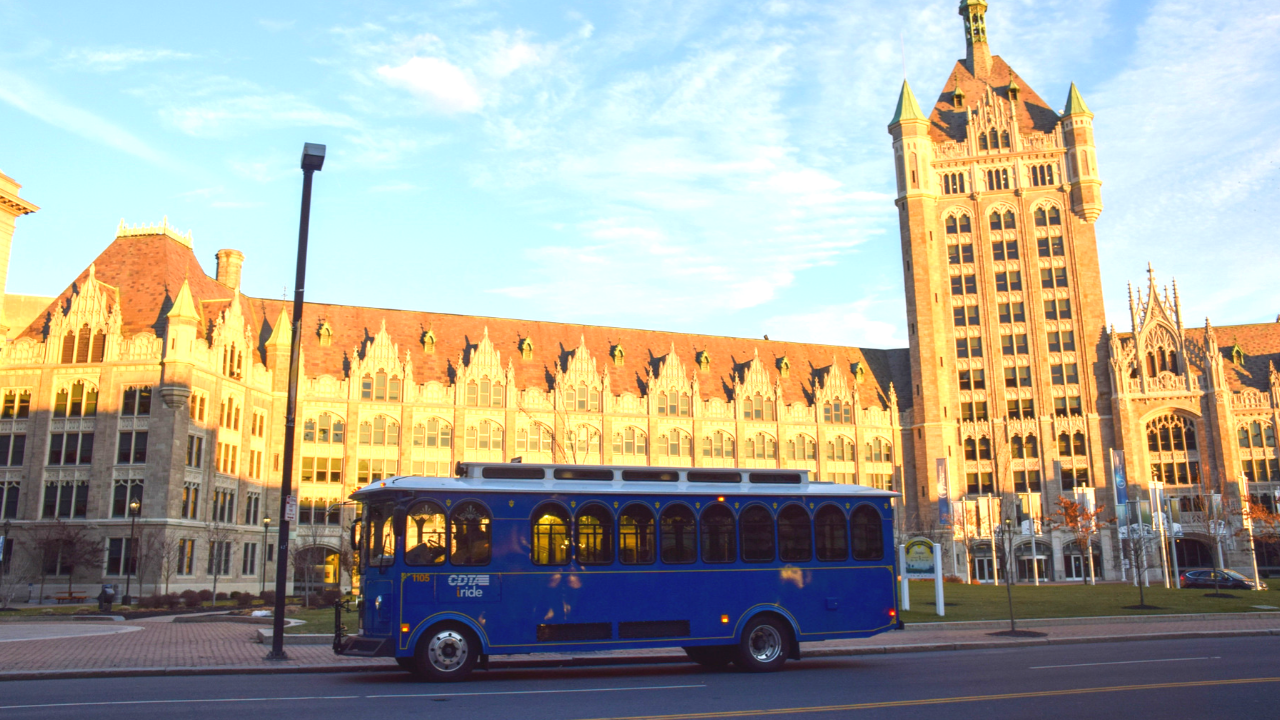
[{"x": 144, "y": 405}]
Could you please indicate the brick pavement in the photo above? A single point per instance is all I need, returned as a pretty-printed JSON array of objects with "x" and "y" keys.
[{"x": 214, "y": 647}]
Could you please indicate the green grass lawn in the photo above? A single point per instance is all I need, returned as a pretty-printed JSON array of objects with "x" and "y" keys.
[
  {"x": 987, "y": 602},
  {"x": 320, "y": 621}
]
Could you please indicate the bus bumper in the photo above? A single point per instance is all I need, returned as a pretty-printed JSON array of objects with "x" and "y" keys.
[{"x": 358, "y": 646}]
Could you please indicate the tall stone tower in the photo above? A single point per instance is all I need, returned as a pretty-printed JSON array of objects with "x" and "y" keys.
[
  {"x": 11, "y": 208},
  {"x": 997, "y": 196}
]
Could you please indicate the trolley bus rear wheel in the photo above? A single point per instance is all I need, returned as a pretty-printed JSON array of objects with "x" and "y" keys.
[
  {"x": 446, "y": 653},
  {"x": 715, "y": 657},
  {"x": 765, "y": 645}
]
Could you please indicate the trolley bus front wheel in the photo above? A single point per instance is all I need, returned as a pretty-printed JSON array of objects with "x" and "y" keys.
[
  {"x": 446, "y": 653},
  {"x": 765, "y": 645}
]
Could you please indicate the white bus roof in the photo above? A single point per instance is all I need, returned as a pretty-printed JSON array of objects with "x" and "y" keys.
[{"x": 605, "y": 479}]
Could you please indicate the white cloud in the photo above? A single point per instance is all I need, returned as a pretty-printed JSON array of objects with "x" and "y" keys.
[
  {"x": 109, "y": 60},
  {"x": 238, "y": 114},
  {"x": 29, "y": 98},
  {"x": 442, "y": 86}
]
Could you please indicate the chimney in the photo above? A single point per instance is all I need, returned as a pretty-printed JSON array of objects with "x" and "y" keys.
[{"x": 230, "y": 263}]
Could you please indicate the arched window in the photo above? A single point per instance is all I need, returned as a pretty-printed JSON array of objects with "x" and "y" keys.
[
  {"x": 1077, "y": 444},
  {"x": 679, "y": 535},
  {"x": 1064, "y": 445},
  {"x": 717, "y": 444},
  {"x": 1008, "y": 220},
  {"x": 746, "y": 408},
  {"x": 764, "y": 447},
  {"x": 629, "y": 442},
  {"x": 1016, "y": 449},
  {"x": 831, "y": 533},
  {"x": 841, "y": 449},
  {"x": 965, "y": 225},
  {"x": 982, "y": 141},
  {"x": 1033, "y": 448},
  {"x": 470, "y": 534},
  {"x": 380, "y": 386},
  {"x": 718, "y": 538},
  {"x": 984, "y": 448},
  {"x": 424, "y": 540},
  {"x": 595, "y": 535},
  {"x": 756, "y": 525},
  {"x": 79, "y": 400},
  {"x": 393, "y": 389},
  {"x": 1055, "y": 216},
  {"x": 684, "y": 405},
  {"x": 758, "y": 412},
  {"x": 795, "y": 542},
  {"x": 995, "y": 220},
  {"x": 99, "y": 347},
  {"x": 1171, "y": 444},
  {"x": 995, "y": 140},
  {"x": 419, "y": 435},
  {"x": 439, "y": 433},
  {"x": 1041, "y": 219},
  {"x": 473, "y": 393},
  {"x": 550, "y": 535},
  {"x": 485, "y": 389},
  {"x": 499, "y": 398},
  {"x": 868, "y": 534},
  {"x": 1004, "y": 139},
  {"x": 82, "y": 345},
  {"x": 952, "y": 228},
  {"x": 635, "y": 535},
  {"x": 68, "y": 348},
  {"x": 970, "y": 449}
]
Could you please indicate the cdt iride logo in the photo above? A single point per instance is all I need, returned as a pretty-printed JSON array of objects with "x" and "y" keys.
[{"x": 469, "y": 586}]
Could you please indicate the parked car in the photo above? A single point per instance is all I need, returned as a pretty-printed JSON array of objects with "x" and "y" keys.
[{"x": 1225, "y": 579}]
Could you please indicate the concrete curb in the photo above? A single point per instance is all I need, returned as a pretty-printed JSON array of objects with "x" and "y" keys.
[
  {"x": 611, "y": 660},
  {"x": 1101, "y": 619}
]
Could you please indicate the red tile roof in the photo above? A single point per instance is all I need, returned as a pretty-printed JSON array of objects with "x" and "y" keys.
[
  {"x": 148, "y": 272},
  {"x": 1261, "y": 345},
  {"x": 948, "y": 121}
]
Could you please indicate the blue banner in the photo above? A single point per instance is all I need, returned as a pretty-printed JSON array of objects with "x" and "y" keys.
[
  {"x": 1118, "y": 478},
  {"x": 944, "y": 494}
]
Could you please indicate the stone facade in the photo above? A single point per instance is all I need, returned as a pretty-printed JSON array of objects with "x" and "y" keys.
[{"x": 147, "y": 381}]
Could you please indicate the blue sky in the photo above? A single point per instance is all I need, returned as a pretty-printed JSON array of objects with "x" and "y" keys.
[{"x": 697, "y": 166}]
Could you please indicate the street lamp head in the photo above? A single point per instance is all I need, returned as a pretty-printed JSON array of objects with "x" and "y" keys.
[
  {"x": 134, "y": 507},
  {"x": 312, "y": 156},
  {"x": 266, "y": 521}
]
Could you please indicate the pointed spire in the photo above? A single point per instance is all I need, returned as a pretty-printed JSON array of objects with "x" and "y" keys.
[
  {"x": 908, "y": 108},
  {"x": 184, "y": 307},
  {"x": 282, "y": 332},
  {"x": 1075, "y": 103}
]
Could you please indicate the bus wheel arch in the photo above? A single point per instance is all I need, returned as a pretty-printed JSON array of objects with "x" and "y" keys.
[
  {"x": 783, "y": 617},
  {"x": 447, "y": 651},
  {"x": 767, "y": 641}
]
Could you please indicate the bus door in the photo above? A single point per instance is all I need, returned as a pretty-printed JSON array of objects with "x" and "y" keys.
[{"x": 379, "y": 556}]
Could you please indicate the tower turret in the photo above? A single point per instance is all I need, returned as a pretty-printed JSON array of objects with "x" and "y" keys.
[
  {"x": 182, "y": 329},
  {"x": 977, "y": 53},
  {"x": 11, "y": 208},
  {"x": 1082, "y": 159}
]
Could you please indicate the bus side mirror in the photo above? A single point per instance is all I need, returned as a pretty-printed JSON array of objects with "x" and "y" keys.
[{"x": 355, "y": 535}]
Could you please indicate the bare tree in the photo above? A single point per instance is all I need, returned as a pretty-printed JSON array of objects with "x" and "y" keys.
[
  {"x": 1266, "y": 527},
  {"x": 150, "y": 557},
  {"x": 170, "y": 560},
  {"x": 305, "y": 554},
  {"x": 219, "y": 535},
  {"x": 65, "y": 547}
]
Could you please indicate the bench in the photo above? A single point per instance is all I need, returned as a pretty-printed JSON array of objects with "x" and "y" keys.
[{"x": 69, "y": 597}]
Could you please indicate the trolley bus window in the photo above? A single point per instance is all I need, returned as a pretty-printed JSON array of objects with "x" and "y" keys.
[
  {"x": 550, "y": 535},
  {"x": 868, "y": 536},
  {"x": 832, "y": 533},
  {"x": 795, "y": 542},
  {"x": 595, "y": 535},
  {"x": 678, "y": 535},
  {"x": 718, "y": 537},
  {"x": 757, "y": 534},
  {"x": 424, "y": 541},
  {"x": 382, "y": 536},
  {"x": 470, "y": 541},
  {"x": 635, "y": 535}
]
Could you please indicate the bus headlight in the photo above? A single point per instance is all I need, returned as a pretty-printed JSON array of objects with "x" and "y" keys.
[{"x": 377, "y": 603}]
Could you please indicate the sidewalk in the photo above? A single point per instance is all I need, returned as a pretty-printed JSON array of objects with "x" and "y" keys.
[{"x": 151, "y": 648}]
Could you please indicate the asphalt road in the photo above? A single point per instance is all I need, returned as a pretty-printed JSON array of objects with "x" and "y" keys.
[{"x": 1224, "y": 678}]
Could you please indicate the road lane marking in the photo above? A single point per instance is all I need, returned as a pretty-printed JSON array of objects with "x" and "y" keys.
[
  {"x": 533, "y": 692},
  {"x": 1125, "y": 662},
  {"x": 175, "y": 702},
  {"x": 943, "y": 700},
  {"x": 103, "y": 703}
]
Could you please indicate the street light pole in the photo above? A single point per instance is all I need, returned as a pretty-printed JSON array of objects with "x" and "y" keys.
[
  {"x": 266, "y": 525},
  {"x": 6, "y": 548},
  {"x": 312, "y": 161},
  {"x": 132, "y": 554}
]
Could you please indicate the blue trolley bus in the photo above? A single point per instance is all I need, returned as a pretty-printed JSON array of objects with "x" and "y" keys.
[{"x": 733, "y": 565}]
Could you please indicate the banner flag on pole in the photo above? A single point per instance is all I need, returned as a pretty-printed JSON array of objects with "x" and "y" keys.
[
  {"x": 944, "y": 493},
  {"x": 1118, "y": 478}
]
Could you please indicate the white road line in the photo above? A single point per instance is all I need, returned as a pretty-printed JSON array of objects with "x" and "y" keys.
[
  {"x": 174, "y": 702},
  {"x": 1125, "y": 662},
  {"x": 537, "y": 692},
  {"x": 105, "y": 703}
]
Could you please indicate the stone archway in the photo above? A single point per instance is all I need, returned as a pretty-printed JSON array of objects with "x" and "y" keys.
[{"x": 1193, "y": 553}]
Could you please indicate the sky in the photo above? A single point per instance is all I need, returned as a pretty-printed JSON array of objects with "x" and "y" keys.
[{"x": 697, "y": 166}]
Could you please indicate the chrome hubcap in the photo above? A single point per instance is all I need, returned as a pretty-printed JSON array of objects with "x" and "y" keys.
[
  {"x": 765, "y": 643},
  {"x": 447, "y": 651}
]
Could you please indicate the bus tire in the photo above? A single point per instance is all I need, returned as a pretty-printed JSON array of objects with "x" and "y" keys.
[
  {"x": 712, "y": 657},
  {"x": 446, "y": 653},
  {"x": 765, "y": 645}
]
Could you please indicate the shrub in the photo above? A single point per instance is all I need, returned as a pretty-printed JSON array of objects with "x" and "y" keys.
[
  {"x": 206, "y": 595},
  {"x": 191, "y": 598},
  {"x": 173, "y": 600},
  {"x": 220, "y": 597},
  {"x": 269, "y": 597},
  {"x": 243, "y": 599},
  {"x": 329, "y": 597},
  {"x": 953, "y": 579},
  {"x": 234, "y": 594}
]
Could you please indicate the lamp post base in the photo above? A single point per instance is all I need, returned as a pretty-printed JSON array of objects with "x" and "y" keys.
[{"x": 273, "y": 655}]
